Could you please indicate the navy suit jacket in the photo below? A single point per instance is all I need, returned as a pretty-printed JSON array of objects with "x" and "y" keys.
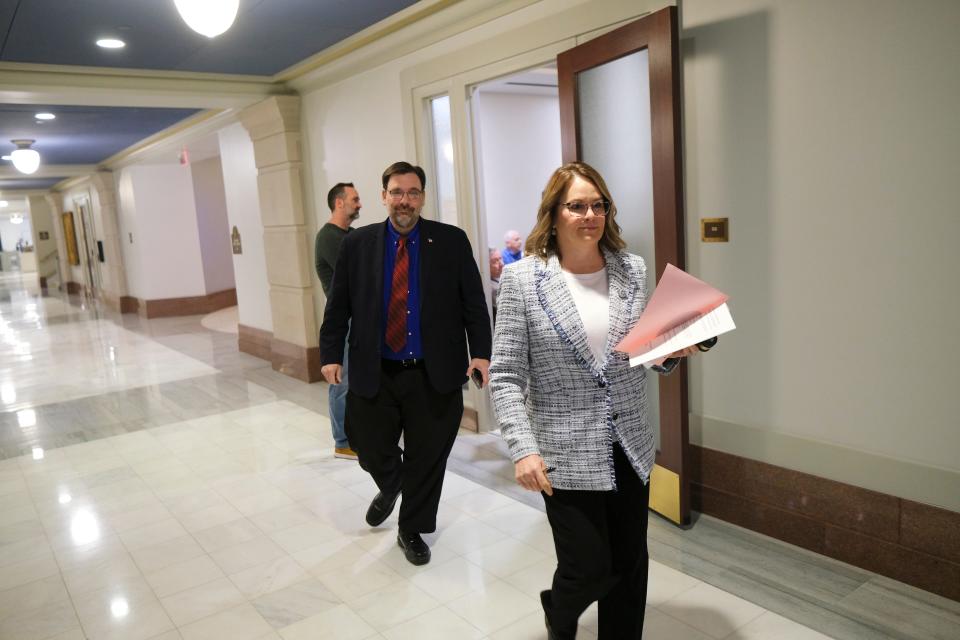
[{"x": 453, "y": 309}]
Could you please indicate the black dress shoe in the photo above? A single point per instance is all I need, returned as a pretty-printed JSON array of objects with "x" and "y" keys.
[
  {"x": 381, "y": 507},
  {"x": 414, "y": 548}
]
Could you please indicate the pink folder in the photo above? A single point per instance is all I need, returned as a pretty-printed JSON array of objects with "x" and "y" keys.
[{"x": 678, "y": 298}]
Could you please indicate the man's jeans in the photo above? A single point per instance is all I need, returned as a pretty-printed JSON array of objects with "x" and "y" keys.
[{"x": 338, "y": 405}]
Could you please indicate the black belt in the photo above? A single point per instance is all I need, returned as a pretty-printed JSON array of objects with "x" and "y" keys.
[{"x": 401, "y": 365}]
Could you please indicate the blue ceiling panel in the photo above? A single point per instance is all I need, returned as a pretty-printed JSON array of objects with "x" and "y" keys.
[
  {"x": 7, "y": 9},
  {"x": 83, "y": 135},
  {"x": 268, "y": 35},
  {"x": 27, "y": 183}
]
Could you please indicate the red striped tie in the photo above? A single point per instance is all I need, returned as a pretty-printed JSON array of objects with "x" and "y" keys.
[{"x": 397, "y": 312}]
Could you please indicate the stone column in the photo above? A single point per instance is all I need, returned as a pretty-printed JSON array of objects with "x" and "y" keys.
[
  {"x": 55, "y": 202},
  {"x": 113, "y": 276},
  {"x": 274, "y": 128}
]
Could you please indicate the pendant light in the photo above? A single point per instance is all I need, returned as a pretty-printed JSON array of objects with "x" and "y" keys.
[
  {"x": 208, "y": 17},
  {"x": 25, "y": 159}
]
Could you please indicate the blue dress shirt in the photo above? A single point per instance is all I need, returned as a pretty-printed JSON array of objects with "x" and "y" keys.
[
  {"x": 510, "y": 257},
  {"x": 413, "y": 347}
]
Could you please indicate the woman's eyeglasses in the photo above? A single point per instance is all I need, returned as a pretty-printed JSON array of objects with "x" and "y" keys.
[{"x": 579, "y": 209}]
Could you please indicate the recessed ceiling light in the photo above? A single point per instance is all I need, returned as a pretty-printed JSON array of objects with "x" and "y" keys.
[
  {"x": 44, "y": 116},
  {"x": 111, "y": 43}
]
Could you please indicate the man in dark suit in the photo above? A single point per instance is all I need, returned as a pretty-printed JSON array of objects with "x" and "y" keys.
[{"x": 412, "y": 292}]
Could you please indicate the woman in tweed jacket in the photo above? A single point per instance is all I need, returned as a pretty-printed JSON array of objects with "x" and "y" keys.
[{"x": 571, "y": 409}]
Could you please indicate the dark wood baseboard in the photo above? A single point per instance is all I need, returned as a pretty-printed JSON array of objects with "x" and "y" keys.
[
  {"x": 123, "y": 304},
  {"x": 254, "y": 341},
  {"x": 911, "y": 542},
  {"x": 192, "y": 306},
  {"x": 302, "y": 363},
  {"x": 129, "y": 304}
]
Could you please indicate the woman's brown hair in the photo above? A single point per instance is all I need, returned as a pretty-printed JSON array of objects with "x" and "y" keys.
[{"x": 542, "y": 242}]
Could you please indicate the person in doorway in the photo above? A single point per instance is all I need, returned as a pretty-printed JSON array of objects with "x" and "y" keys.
[
  {"x": 496, "y": 268},
  {"x": 410, "y": 292},
  {"x": 513, "y": 247},
  {"x": 344, "y": 203},
  {"x": 571, "y": 409}
]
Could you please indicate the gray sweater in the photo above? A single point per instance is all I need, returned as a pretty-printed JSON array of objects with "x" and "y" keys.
[{"x": 326, "y": 251}]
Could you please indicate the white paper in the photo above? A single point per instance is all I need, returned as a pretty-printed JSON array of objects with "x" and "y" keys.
[{"x": 687, "y": 334}]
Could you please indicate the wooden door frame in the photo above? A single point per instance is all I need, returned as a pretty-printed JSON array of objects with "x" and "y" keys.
[{"x": 658, "y": 34}]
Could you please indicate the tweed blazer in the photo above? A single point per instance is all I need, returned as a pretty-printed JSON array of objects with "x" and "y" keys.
[{"x": 551, "y": 395}]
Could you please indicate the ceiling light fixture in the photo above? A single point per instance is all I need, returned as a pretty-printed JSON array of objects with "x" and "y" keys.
[
  {"x": 45, "y": 116},
  {"x": 25, "y": 159},
  {"x": 111, "y": 43},
  {"x": 16, "y": 219},
  {"x": 208, "y": 17}
]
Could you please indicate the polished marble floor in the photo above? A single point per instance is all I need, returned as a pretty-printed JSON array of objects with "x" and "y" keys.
[{"x": 155, "y": 484}]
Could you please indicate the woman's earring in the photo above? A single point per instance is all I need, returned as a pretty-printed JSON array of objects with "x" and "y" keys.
[{"x": 553, "y": 231}]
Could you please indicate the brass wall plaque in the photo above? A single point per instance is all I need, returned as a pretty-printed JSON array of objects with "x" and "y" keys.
[
  {"x": 235, "y": 239},
  {"x": 714, "y": 230}
]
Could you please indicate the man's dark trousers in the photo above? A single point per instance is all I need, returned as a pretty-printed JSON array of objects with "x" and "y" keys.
[{"x": 406, "y": 403}]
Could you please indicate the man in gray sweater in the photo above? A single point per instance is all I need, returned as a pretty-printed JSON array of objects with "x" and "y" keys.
[{"x": 344, "y": 203}]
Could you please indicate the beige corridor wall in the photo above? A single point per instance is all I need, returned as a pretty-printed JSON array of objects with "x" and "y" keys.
[
  {"x": 162, "y": 216},
  {"x": 213, "y": 225},
  {"x": 41, "y": 216},
  {"x": 827, "y": 132},
  {"x": 243, "y": 212},
  {"x": 352, "y": 132}
]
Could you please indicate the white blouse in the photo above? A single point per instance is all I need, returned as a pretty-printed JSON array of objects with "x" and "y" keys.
[{"x": 591, "y": 294}]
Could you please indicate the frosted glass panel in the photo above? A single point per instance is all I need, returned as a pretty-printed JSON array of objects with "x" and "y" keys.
[
  {"x": 614, "y": 125},
  {"x": 446, "y": 188}
]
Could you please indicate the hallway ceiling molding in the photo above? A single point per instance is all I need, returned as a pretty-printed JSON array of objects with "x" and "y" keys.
[{"x": 44, "y": 84}]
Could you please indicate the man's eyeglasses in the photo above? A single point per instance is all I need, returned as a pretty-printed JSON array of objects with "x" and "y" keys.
[
  {"x": 396, "y": 195},
  {"x": 579, "y": 209}
]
